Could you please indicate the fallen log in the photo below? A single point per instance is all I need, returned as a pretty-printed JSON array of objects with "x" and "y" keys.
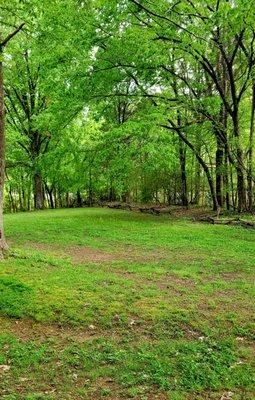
[
  {"x": 160, "y": 210},
  {"x": 240, "y": 222},
  {"x": 155, "y": 210},
  {"x": 120, "y": 206},
  {"x": 114, "y": 205},
  {"x": 145, "y": 209},
  {"x": 208, "y": 219},
  {"x": 232, "y": 222}
]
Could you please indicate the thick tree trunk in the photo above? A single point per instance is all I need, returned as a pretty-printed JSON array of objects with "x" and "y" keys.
[
  {"x": 3, "y": 245},
  {"x": 38, "y": 192}
]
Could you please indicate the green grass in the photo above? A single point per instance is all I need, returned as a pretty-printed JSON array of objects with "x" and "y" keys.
[{"x": 102, "y": 304}]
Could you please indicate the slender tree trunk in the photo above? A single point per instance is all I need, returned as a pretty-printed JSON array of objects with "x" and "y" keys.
[
  {"x": 226, "y": 178},
  {"x": 232, "y": 187},
  {"x": 197, "y": 186},
  {"x": 203, "y": 165},
  {"x": 182, "y": 156},
  {"x": 250, "y": 152},
  {"x": 50, "y": 194},
  {"x": 12, "y": 203},
  {"x": 241, "y": 190},
  {"x": 29, "y": 196},
  {"x": 67, "y": 200},
  {"x": 182, "y": 152},
  {"x": 60, "y": 201},
  {"x": 3, "y": 244},
  {"x": 55, "y": 197},
  {"x": 21, "y": 207},
  {"x": 51, "y": 199},
  {"x": 219, "y": 158},
  {"x": 90, "y": 188},
  {"x": 4, "y": 42},
  {"x": 112, "y": 196},
  {"x": 79, "y": 199}
]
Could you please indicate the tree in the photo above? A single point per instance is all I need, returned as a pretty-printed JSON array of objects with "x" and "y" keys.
[
  {"x": 25, "y": 102},
  {"x": 216, "y": 39},
  {"x": 3, "y": 43}
]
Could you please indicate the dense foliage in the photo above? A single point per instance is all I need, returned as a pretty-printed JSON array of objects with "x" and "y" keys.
[{"x": 131, "y": 100}]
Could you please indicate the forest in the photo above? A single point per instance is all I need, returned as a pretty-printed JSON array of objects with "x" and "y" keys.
[{"x": 127, "y": 199}]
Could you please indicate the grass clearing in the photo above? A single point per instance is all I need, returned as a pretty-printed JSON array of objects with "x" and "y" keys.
[{"x": 102, "y": 304}]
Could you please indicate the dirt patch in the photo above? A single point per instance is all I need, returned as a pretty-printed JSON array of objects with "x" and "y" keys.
[
  {"x": 168, "y": 281},
  {"x": 191, "y": 212},
  {"x": 81, "y": 254},
  {"x": 231, "y": 277},
  {"x": 28, "y": 329},
  {"x": 175, "y": 282},
  {"x": 86, "y": 254}
]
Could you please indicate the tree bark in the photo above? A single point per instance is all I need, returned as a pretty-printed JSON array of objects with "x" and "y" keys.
[
  {"x": 226, "y": 178},
  {"x": 4, "y": 42},
  {"x": 79, "y": 198},
  {"x": 250, "y": 152},
  {"x": 3, "y": 244},
  {"x": 203, "y": 164},
  {"x": 219, "y": 159},
  {"x": 50, "y": 194},
  {"x": 38, "y": 192},
  {"x": 182, "y": 156},
  {"x": 241, "y": 190},
  {"x": 197, "y": 188}
]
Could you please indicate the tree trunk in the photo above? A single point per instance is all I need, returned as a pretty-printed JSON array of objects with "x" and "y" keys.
[
  {"x": 67, "y": 200},
  {"x": 90, "y": 189},
  {"x": 79, "y": 198},
  {"x": 250, "y": 152},
  {"x": 12, "y": 203},
  {"x": 197, "y": 183},
  {"x": 50, "y": 194},
  {"x": 219, "y": 159},
  {"x": 3, "y": 244},
  {"x": 38, "y": 192},
  {"x": 202, "y": 163},
  {"x": 226, "y": 178},
  {"x": 241, "y": 191},
  {"x": 182, "y": 156}
]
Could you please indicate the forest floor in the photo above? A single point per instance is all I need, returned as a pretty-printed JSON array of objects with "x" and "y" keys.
[{"x": 102, "y": 304}]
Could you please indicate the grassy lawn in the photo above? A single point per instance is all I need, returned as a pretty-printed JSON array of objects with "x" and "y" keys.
[{"x": 102, "y": 304}]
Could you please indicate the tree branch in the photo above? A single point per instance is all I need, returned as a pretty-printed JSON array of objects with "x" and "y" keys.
[{"x": 11, "y": 35}]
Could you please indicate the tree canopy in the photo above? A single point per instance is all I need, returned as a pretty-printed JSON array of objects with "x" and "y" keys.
[{"x": 128, "y": 100}]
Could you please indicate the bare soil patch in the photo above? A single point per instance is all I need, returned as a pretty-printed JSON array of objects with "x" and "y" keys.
[
  {"x": 28, "y": 329},
  {"x": 87, "y": 254}
]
